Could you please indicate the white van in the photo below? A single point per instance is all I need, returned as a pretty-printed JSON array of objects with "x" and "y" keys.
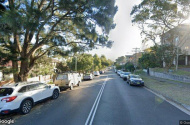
[{"x": 68, "y": 80}]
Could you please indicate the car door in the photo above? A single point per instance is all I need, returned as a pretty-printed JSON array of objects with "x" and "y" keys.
[
  {"x": 31, "y": 91},
  {"x": 45, "y": 90}
]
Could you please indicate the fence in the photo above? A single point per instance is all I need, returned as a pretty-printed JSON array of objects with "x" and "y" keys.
[
  {"x": 41, "y": 78},
  {"x": 169, "y": 76}
]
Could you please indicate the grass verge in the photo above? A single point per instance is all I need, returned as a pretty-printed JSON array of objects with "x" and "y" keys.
[{"x": 177, "y": 92}]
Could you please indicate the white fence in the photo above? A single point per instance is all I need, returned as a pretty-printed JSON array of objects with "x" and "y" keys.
[
  {"x": 1, "y": 76},
  {"x": 41, "y": 78},
  {"x": 145, "y": 70}
]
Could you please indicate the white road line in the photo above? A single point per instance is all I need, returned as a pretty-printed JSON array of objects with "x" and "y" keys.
[
  {"x": 95, "y": 105},
  {"x": 172, "y": 103},
  {"x": 86, "y": 123}
]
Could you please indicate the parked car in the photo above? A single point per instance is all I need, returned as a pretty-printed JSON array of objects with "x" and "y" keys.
[
  {"x": 125, "y": 75},
  {"x": 115, "y": 70},
  {"x": 135, "y": 80},
  {"x": 96, "y": 73},
  {"x": 121, "y": 74},
  {"x": 68, "y": 80},
  {"x": 118, "y": 72},
  {"x": 88, "y": 76},
  {"x": 21, "y": 97},
  {"x": 102, "y": 72}
]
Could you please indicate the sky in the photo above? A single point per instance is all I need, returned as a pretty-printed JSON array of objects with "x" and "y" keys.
[{"x": 125, "y": 36}]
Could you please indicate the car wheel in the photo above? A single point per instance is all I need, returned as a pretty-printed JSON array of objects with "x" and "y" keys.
[
  {"x": 78, "y": 84},
  {"x": 26, "y": 106},
  {"x": 55, "y": 94},
  {"x": 71, "y": 87},
  {"x": 130, "y": 83}
]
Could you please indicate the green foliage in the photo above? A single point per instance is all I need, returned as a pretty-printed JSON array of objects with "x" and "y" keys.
[
  {"x": 121, "y": 59},
  {"x": 104, "y": 62},
  {"x": 89, "y": 63},
  {"x": 62, "y": 67},
  {"x": 84, "y": 63},
  {"x": 129, "y": 67},
  {"x": 118, "y": 67},
  {"x": 157, "y": 55},
  {"x": 168, "y": 54},
  {"x": 97, "y": 63},
  {"x": 43, "y": 66},
  {"x": 155, "y": 17},
  {"x": 53, "y": 27},
  {"x": 150, "y": 60}
]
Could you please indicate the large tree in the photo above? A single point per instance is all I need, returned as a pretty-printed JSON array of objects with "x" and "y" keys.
[
  {"x": 155, "y": 17},
  {"x": 36, "y": 27},
  {"x": 104, "y": 62},
  {"x": 121, "y": 59},
  {"x": 152, "y": 58},
  {"x": 97, "y": 64},
  {"x": 84, "y": 63}
]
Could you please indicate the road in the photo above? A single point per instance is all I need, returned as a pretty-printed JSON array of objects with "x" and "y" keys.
[{"x": 106, "y": 100}]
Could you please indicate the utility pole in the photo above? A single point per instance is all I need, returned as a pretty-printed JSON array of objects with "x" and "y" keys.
[
  {"x": 135, "y": 50},
  {"x": 177, "y": 55},
  {"x": 76, "y": 63}
]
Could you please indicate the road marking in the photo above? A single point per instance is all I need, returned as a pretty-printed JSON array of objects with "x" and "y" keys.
[
  {"x": 95, "y": 105},
  {"x": 172, "y": 103}
]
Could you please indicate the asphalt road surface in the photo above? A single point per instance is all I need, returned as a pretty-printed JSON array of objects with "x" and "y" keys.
[{"x": 106, "y": 100}]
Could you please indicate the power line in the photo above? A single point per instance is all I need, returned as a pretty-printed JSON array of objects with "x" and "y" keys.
[{"x": 136, "y": 50}]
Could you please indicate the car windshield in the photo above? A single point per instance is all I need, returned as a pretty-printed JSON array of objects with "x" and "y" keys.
[
  {"x": 126, "y": 73},
  {"x": 5, "y": 91},
  {"x": 87, "y": 74},
  {"x": 59, "y": 77},
  {"x": 135, "y": 76}
]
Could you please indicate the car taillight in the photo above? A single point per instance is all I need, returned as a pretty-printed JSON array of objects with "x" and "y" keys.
[{"x": 9, "y": 99}]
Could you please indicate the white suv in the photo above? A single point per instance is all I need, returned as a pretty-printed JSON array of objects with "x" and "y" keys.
[{"x": 21, "y": 97}]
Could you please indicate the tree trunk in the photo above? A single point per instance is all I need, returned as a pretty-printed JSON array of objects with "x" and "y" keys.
[
  {"x": 22, "y": 77},
  {"x": 24, "y": 70},
  {"x": 15, "y": 70}
]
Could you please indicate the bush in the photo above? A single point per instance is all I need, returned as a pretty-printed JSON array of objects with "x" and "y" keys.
[{"x": 129, "y": 67}]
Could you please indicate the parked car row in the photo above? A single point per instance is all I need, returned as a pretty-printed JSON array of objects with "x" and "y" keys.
[
  {"x": 21, "y": 97},
  {"x": 131, "y": 79},
  {"x": 90, "y": 76}
]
